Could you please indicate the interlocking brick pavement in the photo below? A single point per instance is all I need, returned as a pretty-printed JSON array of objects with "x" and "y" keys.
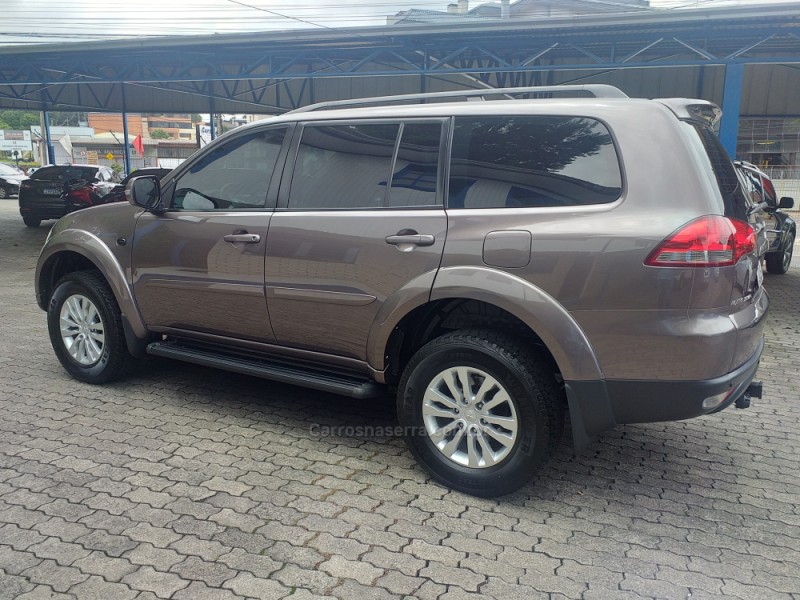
[{"x": 184, "y": 482}]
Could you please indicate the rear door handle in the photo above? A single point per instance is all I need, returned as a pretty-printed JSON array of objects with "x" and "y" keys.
[
  {"x": 415, "y": 239},
  {"x": 243, "y": 238}
]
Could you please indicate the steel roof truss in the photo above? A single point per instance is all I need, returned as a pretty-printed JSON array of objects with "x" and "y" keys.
[
  {"x": 638, "y": 52},
  {"x": 369, "y": 58},
  {"x": 498, "y": 61},
  {"x": 411, "y": 63},
  {"x": 695, "y": 49},
  {"x": 446, "y": 60},
  {"x": 532, "y": 59},
  {"x": 747, "y": 49},
  {"x": 588, "y": 54}
]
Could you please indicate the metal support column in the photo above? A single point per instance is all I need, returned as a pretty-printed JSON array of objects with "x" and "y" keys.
[
  {"x": 731, "y": 106},
  {"x": 211, "y": 118},
  {"x": 423, "y": 82},
  {"x": 48, "y": 141},
  {"x": 125, "y": 137}
]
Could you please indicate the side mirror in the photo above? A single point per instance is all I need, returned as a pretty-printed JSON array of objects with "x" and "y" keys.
[
  {"x": 144, "y": 192},
  {"x": 786, "y": 202}
]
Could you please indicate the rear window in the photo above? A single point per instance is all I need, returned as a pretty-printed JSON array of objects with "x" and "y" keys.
[
  {"x": 532, "y": 161},
  {"x": 724, "y": 173},
  {"x": 64, "y": 173}
]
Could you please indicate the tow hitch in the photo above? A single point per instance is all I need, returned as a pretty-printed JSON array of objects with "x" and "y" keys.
[{"x": 754, "y": 390}]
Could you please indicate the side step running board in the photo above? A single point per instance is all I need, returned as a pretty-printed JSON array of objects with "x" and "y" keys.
[{"x": 283, "y": 372}]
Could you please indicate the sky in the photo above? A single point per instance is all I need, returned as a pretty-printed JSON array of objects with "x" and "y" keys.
[{"x": 41, "y": 21}]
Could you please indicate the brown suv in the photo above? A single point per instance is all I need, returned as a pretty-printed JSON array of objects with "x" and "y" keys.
[{"x": 498, "y": 263}]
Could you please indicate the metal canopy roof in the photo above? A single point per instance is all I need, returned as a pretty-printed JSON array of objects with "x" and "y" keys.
[{"x": 276, "y": 71}]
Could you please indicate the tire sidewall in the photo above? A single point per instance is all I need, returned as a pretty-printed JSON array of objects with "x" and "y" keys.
[
  {"x": 97, "y": 371},
  {"x": 530, "y": 447}
]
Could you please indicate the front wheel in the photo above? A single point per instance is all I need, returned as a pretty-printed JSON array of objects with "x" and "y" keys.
[
  {"x": 85, "y": 326},
  {"x": 4, "y": 193},
  {"x": 481, "y": 412},
  {"x": 779, "y": 262}
]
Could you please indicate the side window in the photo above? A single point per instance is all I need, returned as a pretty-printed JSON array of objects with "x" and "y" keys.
[
  {"x": 532, "y": 161},
  {"x": 233, "y": 176},
  {"x": 416, "y": 169},
  {"x": 343, "y": 166}
]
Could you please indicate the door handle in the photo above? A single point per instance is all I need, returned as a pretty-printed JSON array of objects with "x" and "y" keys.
[
  {"x": 414, "y": 239},
  {"x": 242, "y": 238}
]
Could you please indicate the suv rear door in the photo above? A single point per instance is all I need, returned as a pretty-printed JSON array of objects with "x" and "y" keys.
[
  {"x": 714, "y": 160},
  {"x": 359, "y": 217},
  {"x": 199, "y": 267}
]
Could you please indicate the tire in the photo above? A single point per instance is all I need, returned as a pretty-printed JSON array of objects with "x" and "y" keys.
[
  {"x": 105, "y": 360},
  {"x": 533, "y": 401},
  {"x": 778, "y": 263},
  {"x": 32, "y": 221},
  {"x": 4, "y": 193}
]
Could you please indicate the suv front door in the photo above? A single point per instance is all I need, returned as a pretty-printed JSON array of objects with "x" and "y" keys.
[
  {"x": 360, "y": 218},
  {"x": 199, "y": 267}
]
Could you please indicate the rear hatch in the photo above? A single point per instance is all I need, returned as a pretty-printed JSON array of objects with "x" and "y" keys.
[
  {"x": 46, "y": 185},
  {"x": 727, "y": 281},
  {"x": 739, "y": 208}
]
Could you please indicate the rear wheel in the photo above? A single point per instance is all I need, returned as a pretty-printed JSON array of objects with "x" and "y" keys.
[
  {"x": 4, "y": 193},
  {"x": 779, "y": 262},
  {"x": 32, "y": 221},
  {"x": 85, "y": 326},
  {"x": 481, "y": 411}
]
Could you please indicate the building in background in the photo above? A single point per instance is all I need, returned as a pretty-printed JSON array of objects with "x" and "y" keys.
[
  {"x": 98, "y": 147},
  {"x": 164, "y": 126},
  {"x": 522, "y": 9}
]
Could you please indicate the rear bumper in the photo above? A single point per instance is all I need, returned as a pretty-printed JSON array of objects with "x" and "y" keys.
[
  {"x": 43, "y": 212},
  {"x": 596, "y": 406}
]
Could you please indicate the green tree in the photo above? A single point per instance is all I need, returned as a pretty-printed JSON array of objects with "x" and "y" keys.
[
  {"x": 197, "y": 119},
  {"x": 18, "y": 119},
  {"x": 160, "y": 134}
]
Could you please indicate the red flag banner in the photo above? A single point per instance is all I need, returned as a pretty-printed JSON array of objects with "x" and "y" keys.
[{"x": 137, "y": 143}]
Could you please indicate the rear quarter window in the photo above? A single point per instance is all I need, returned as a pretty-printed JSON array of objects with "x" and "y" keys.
[{"x": 532, "y": 161}]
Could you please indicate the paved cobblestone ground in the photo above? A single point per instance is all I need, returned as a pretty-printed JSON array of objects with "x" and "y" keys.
[{"x": 194, "y": 484}]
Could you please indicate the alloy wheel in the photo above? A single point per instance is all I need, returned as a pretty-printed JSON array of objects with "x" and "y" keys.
[
  {"x": 787, "y": 253},
  {"x": 82, "y": 330},
  {"x": 470, "y": 417}
]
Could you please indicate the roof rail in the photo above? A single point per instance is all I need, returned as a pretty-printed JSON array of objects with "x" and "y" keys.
[{"x": 593, "y": 90}]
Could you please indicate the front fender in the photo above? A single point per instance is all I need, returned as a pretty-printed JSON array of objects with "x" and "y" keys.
[
  {"x": 92, "y": 248},
  {"x": 549, "y": 320}
]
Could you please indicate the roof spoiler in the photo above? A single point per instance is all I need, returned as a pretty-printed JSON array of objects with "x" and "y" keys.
[{"x": 693, "y": 110}]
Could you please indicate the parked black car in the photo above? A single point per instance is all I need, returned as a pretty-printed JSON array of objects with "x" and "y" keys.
[
  {"x": 781, "y": 228},
  {"x": 40, "y": 197},
  {"x": 117, "y": 193},
  {"x": 10, "y": 178}
]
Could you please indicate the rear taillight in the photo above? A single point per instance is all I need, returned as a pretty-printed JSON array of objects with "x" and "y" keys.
[
  {"x": 710, "y": 241},
  {"x": 25, "y": 185}
]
